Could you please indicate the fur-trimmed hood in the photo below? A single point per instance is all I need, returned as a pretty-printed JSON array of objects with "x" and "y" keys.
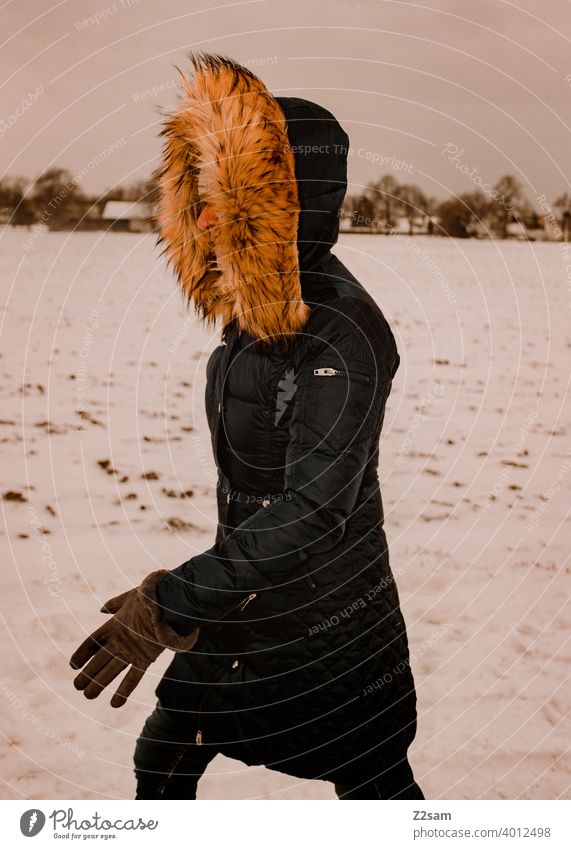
[{"x": 274, "y": 172}]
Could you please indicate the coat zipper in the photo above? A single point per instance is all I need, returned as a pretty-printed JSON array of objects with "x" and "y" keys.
[
  {"x": 242, "y": 604},
  {"x": 339, "y": 372},
  {"x": 221, "y": 378}
]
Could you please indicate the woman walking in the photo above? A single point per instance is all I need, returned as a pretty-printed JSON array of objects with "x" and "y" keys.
[{"x": 291, "y": 648}]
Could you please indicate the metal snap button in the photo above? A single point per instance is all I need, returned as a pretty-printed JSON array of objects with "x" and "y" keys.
[
  {"x": 266, "y": 502},
  {"x": 235, "y": 664}
]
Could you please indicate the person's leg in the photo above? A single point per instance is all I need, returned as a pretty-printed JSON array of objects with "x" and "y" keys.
[
  {"x": 168, "y": 763},
  {"x": 398, "y": 782},
  {"x": 394, "y": 782},
  {"x": 368, "y": 790}
]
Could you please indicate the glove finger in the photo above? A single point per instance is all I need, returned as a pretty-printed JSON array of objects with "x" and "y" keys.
[
  {"x": 116, "y": 603},
  {"x": 88, "y": 647},
  {"x": 127, "y": 686},
  {"x": 95, "y": 665},
  {"x": 105, "y": 677}
]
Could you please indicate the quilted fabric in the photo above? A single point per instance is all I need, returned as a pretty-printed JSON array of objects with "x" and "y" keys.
[{"x": 302, "y": 662}]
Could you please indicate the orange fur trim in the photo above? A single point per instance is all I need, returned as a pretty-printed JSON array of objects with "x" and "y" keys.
[{"x": 227, "y": 144}]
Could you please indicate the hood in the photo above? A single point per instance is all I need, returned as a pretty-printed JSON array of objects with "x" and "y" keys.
[{"x": 274, "y": 170}]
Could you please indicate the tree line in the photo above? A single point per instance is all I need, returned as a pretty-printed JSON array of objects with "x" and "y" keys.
[
  {"x": 57, "y": 199},
  {"x": 383, "y": 203}
]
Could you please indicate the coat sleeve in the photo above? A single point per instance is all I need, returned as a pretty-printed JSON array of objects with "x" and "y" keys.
[{"x": 333, "y": 421}]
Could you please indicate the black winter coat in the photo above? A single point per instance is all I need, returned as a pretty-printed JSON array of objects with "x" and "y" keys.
[{"x": 302, "y": 662}]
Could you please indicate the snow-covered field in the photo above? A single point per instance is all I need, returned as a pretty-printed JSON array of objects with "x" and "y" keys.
[{"x": 107, "y": 474}]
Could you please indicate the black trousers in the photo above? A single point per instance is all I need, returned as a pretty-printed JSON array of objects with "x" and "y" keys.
[{"x": 169, "y": 764}]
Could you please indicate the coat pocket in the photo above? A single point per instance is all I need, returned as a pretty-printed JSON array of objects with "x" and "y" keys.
[
  {"x": 341, "y": 405},
  {"x": 348, "y": 374}
]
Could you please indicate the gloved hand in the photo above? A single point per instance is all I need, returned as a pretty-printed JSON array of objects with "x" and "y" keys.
[{"x": 135, "y": 636}]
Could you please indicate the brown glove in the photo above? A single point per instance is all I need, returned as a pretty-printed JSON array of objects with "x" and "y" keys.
[{"x": 135, "y": 637}]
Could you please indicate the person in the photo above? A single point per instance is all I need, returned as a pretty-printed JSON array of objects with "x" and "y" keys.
[{"x": 290, "y": 645}]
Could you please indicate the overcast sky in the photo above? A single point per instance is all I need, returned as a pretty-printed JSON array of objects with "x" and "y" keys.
[{"x": 489, "y": 81}]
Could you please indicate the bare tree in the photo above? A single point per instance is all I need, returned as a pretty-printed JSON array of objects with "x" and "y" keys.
[
  {"x": 54, "y": 194},
  {"x": 143, "y": 191},
  {"x": 14, "y": 205},
  {"x": 384, "y": 196},
  {"x": 364, "y": 212},
  {"x": 563, "y": 206},
  {"x": 462, "y": 216},
  {"x": 414, "y": 203},
  {"x": 509, "y": 204}
]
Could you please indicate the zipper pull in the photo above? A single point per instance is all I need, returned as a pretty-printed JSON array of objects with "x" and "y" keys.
[
  {"x": 198, "y": 740},
  {"x": 325, "y": 372},
  {"x": 328, "y": 371},
  {"x": 247, "y": 601}
]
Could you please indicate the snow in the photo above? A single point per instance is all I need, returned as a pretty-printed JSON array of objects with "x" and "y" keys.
[{"x": 103, "y": 431}]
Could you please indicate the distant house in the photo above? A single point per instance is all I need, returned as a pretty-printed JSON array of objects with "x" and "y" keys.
[
  {"x": 127, "y": 216},
  {"x": 401, "y": 226},
  {"x": 516, "y": 230},
  {"x": 480, "y": 230},
  {"x": 345, "y": 225}
]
